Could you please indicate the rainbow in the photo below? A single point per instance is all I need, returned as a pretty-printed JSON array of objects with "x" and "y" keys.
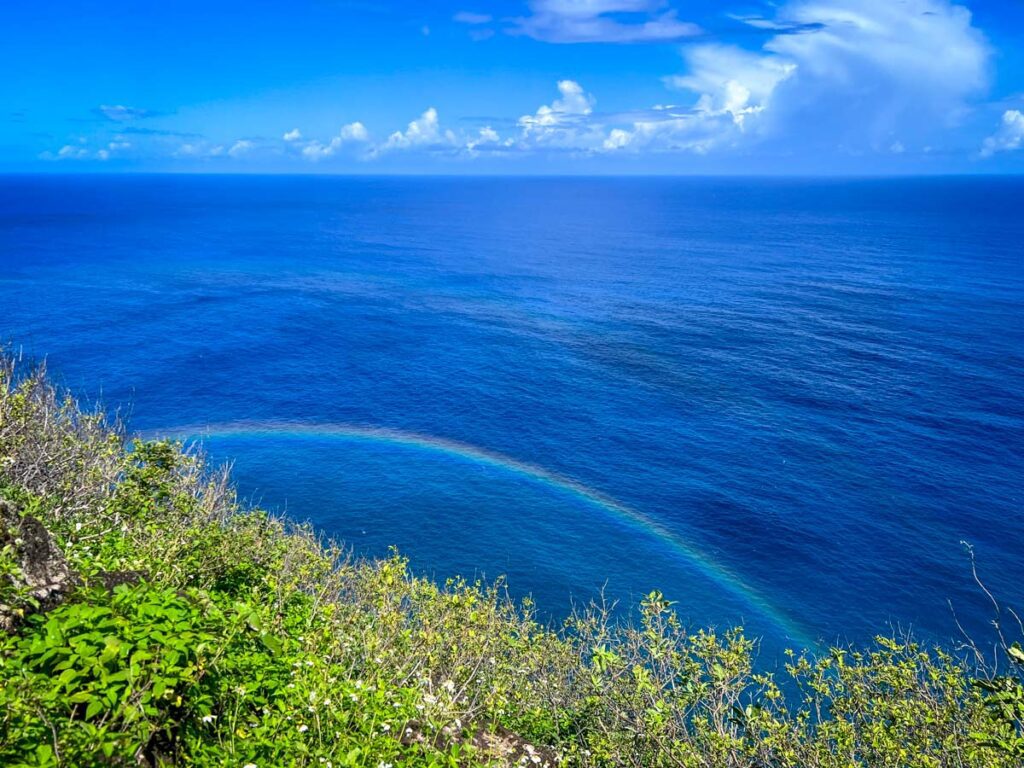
[{"x": 716, "y": 572}]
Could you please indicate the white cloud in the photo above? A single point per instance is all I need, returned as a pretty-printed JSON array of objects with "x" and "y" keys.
[
  {"x": 617, "y": 139},
  {"x": 240, "y": 148},
  {"x": 71, "y": 152},
  {"x": 199, "y": 150},
  {"x": 566, "y": 123},
  {"x": 349, "y": 134},
  {"x": 486, "y": 138},
  {"x": 468, "y": 17},
  {"x": 120, "y": 113},
  {"x": 574, "y": 104},
  {"x": 354, "y": 132},
  {"x": 1009, "y": 137},
  {"x": 857, "y": 72},
  {"x": 81, "y": 151},
  {"x": 602, "y": 21},
  {"x": 732, "y": 81},
  {"x": 293, "y": 135},
  {"x": 424, "y": 131}
]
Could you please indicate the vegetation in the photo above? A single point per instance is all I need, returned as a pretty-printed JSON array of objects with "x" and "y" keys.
[{"x": 203, "y": 633}]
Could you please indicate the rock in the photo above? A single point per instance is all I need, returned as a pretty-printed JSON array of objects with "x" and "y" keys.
[
  {"x": 499, "y": 746},
  {"x": 41, "y": 578}
]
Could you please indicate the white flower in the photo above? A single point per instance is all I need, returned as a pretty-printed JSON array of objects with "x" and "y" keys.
[
  {"x": 382, "y": 764},
  {"x": 385, "y": 727},
  {"x": 249, "y": 765},
  {"x": 303, "y": 728},
  {"x": 209, "y": 718}
]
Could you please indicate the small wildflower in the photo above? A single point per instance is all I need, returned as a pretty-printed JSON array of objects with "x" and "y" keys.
[
  {"x": 303, "y": 728},
  {"x": 209, "y": 718},
  {"x": 385, "y": 727}
]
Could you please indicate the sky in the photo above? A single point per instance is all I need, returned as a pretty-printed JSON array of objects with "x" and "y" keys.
[{"x": 792, "y": 87}]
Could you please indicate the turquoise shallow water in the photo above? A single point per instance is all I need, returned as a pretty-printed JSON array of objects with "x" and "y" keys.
[{"x": 781, "y": 402}]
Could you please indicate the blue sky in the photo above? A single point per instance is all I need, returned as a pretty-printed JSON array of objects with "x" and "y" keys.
[{"x": 538, "y": 86}]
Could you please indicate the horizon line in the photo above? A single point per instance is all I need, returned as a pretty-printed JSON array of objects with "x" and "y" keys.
[{"x": 1013, "y": 174}]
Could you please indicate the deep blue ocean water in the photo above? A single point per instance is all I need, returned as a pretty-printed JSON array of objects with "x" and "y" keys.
[{"x": 783, "y": 402}]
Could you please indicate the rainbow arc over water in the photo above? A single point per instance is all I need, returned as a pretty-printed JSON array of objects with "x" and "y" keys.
[{"x": 716, "y": 572}]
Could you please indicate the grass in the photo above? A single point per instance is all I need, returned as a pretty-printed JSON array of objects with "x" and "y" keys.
[{"x": 205, "y": 633}]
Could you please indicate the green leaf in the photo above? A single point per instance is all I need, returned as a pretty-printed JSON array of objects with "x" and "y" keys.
[{"x": 1015, "y": 653}]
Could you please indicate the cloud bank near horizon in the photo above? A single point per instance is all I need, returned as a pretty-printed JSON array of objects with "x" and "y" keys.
[{"x": 833, "y": 78}]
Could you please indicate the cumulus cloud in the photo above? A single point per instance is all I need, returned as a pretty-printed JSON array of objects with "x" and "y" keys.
[
  {"x": 856, "y": 73},
  {"x": 732, "y": 81},
  {"x": 486, "y": 139},
  {"x": 603, "y": 21},
  {"x": 353, "y": 133},
  {"x": 71, "y": 152},
  {"x": 1009, "y": 136},
  {"x": 833, "y": 76},
  {"x": 562, "y": 114},
  {"x": 424, "y": 131},
  {"x": 81, "y": 151},
  {"x": 293, "y": 135}
]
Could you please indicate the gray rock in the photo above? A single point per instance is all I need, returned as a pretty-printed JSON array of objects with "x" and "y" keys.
[{"x": 41, "y": 578}]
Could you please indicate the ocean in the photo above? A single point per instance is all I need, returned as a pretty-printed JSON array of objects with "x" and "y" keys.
[{"x": 783, "y": 403}]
